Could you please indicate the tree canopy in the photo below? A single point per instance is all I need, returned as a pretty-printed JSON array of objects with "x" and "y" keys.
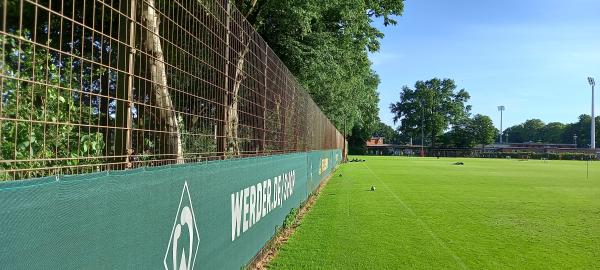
[
  {"x": 119, "y": 80},
  {"x": 325, "y": 44},
  {"x": 482, "y": 129},
  {"x": 434, "y": 104},
  {"x": 469, "y": 132},
  {"x": 389, "y": 134},
  {"x": 535, "y": 130}
]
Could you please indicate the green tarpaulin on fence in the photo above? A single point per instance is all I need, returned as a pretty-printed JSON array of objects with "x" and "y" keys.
[{"x": 214, "y": 215}]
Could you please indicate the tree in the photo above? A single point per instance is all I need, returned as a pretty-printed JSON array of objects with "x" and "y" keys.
[
  {"x": 553, "y": 132},
  {"x": 482, "y": 129},
  {"x": 325, "y": 44},
  {"x": 433, "y": 105},
  {"x": 172, "y": 142},
  {"x": 389, "y": 134},
  {"x": 130, "y": 77},
  {"x": 459, "y": 135},
  {"x": 236, "y": 37},
  {"x": 357, "y": 142},
  {"x": 43, "y": 136},
  {"x": 529, "y": 131},
  {"x": 515, "y": 134},
  {"x": 471, "y": 131},
  {"x": 582, "y": 130},
  {"x": 534, "y": 130},
  {"x": 108, "y": 91},
  {"x": 94, "y": 83}
]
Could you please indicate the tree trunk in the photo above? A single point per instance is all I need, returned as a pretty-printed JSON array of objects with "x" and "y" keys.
[
  {"x": 233, "y": 146},
  {"x": 432, "y": 134},
  {"x": 223, "y": 99},
  {"x": 120, "y": 133},
  {"x": 171, "y": 142},
  {"x": 231, "y": 115}
]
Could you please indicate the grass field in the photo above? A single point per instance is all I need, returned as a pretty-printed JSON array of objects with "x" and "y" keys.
[{"x": 429, "y": 214}]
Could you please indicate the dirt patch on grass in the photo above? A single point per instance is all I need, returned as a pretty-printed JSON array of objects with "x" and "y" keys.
[{"x": 269, "y": 251}]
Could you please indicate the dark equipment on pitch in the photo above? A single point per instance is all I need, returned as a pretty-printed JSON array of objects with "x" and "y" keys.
[
  {"x": 372, "y": 188},
  {"x": 459, "y": 163},
  {"x": 357, "y": 160}
]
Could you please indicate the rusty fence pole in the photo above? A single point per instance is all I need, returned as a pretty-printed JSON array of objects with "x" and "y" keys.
[
  {"x": 264, "y": 102},
  {"x": 223, "y": 116},
  {"x": 130, "y": 75}
]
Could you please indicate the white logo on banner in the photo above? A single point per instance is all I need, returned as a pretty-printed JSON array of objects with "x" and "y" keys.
[
  {"x": 324, "y": 165},
  {"x": 181, "y": 252}
]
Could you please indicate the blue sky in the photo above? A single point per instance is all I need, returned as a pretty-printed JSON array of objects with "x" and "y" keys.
[{"x": 533, "y": 56}]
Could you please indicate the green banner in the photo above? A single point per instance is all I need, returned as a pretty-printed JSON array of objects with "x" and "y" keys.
[{"x": 214, "y": 215}]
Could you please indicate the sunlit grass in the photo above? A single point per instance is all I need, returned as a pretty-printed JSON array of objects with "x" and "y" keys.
[{"x": 430, "y": 214}]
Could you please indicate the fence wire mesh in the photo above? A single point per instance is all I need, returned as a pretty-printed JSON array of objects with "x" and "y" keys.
[{"x": 94, "y": 85}]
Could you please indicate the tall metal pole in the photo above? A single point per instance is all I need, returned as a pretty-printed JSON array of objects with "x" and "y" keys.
[
  {"x": 422, "y": 131},
  {"x": 593, "y": 121},
  {"x": 501, "y": 109},
  {"x": 593, "y": 125}
]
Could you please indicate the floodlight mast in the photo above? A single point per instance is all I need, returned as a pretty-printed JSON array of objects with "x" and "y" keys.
[
  {"x": 422, "y": 131},
  {"x": 501, "y": 108},
  {"x": 593, "y": 125}
]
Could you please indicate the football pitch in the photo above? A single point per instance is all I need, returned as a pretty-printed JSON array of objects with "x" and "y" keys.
[{"x": 429, "y": 214}]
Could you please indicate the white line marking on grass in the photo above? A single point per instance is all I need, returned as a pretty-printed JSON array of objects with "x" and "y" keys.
[
  {"x": 348, "y": 202},
  {"x": 421, "y": 222},
  {"x": 345, "y": 183}
]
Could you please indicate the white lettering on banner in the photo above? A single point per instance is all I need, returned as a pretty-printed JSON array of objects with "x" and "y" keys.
[
  {"x": 236, "y": 213},
  {"x": 250, "y": 204},
  {"x": 286, "y": 186},
  {"x": 259, "y": 199},
  {"x": 245, "y": 215},
  {"x": 276, "y": 200},
  {"x": 268, "y": 202}
]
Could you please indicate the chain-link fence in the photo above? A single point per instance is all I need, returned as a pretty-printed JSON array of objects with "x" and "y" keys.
[{"x": 93, "y": 85}]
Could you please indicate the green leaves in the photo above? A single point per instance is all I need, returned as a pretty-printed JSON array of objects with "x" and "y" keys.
[
  {"x": 41, "y": 112},
  {"x": 91, "y": 144},
  {"x": 390, "y": 135},
  {"x": 482, "y": 129},
  {"x": 325, "y": 45},
  {"x": 535, "y": 130},
  {"x": 433, "y": 105}
]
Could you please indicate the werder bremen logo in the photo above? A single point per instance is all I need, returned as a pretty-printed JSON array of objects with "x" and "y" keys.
[{"x": 184, "y": 240}]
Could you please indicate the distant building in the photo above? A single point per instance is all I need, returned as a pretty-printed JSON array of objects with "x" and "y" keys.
[
  {"x": 539, "y": 148},
  {"x": 377, "y": 146},
  {"x": 375, "y": 141}
]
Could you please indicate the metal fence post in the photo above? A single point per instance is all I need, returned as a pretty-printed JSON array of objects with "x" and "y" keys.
[
  {"x": 264, "y": 102},
  {"x": 111, "y": 75},
  {"x": 223, "y": 115},
  {"x": 130, "y": 75}
]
